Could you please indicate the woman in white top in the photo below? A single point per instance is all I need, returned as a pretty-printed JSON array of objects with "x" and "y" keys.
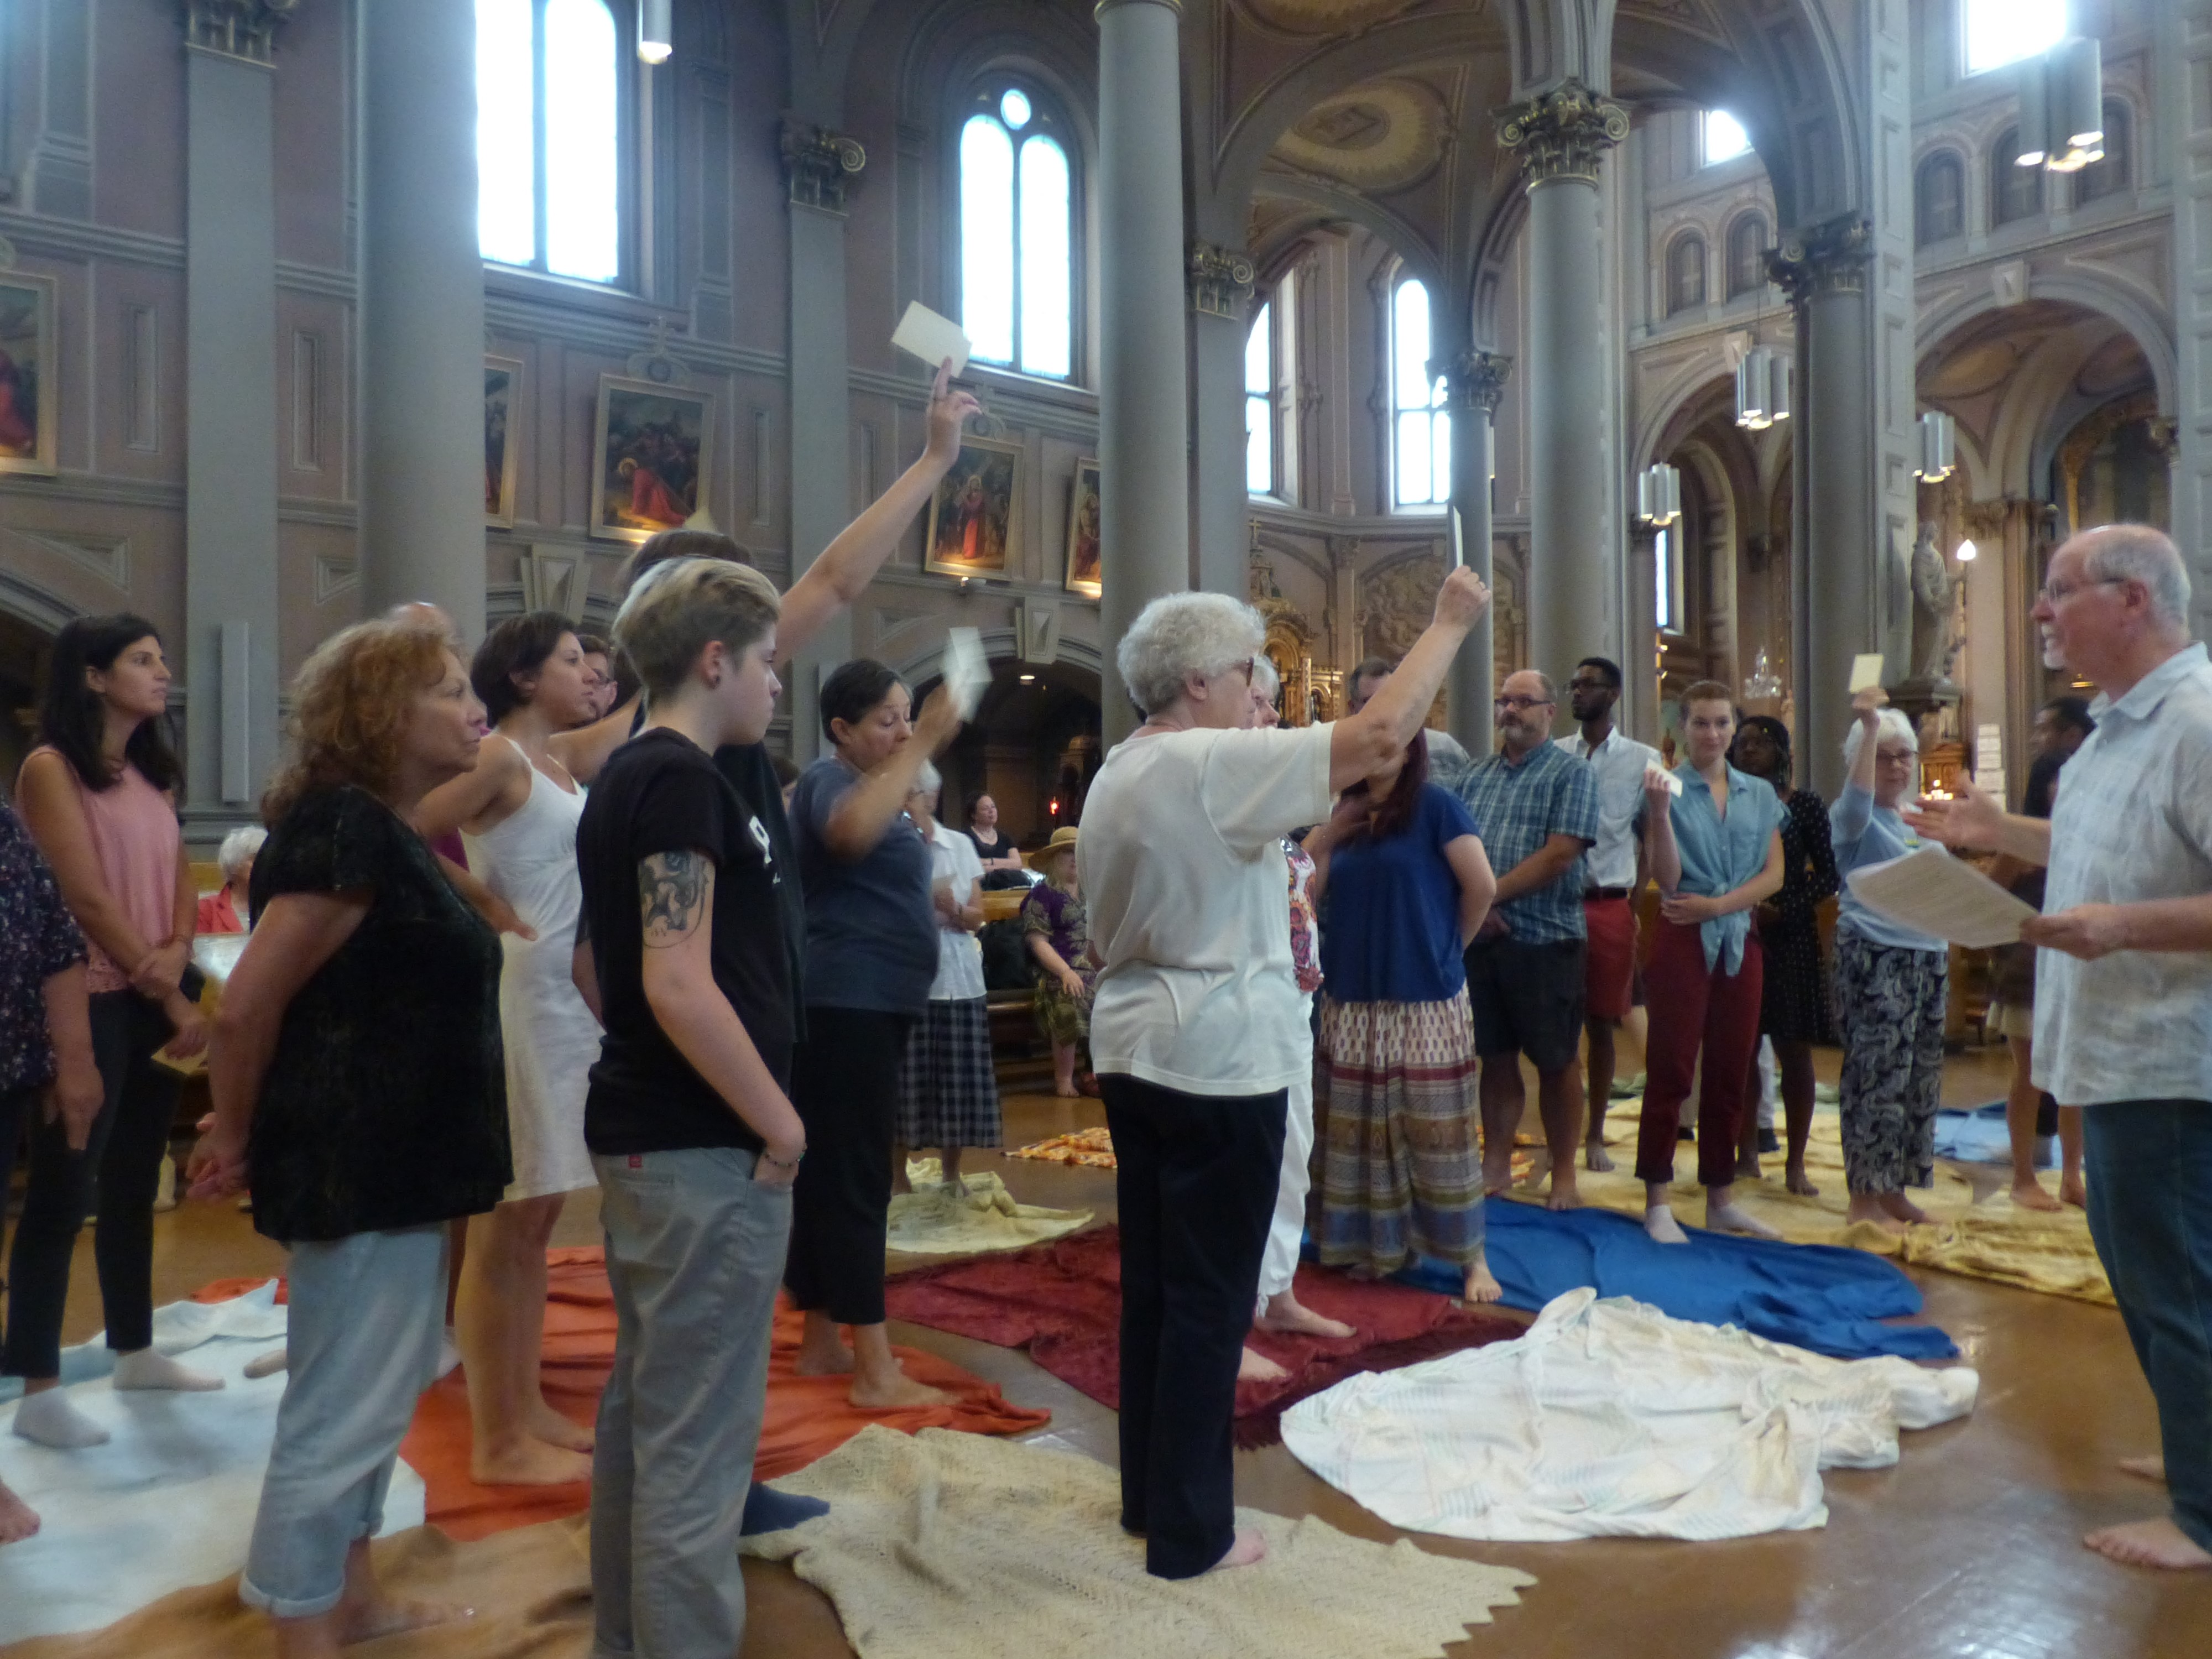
[
  {"x": 1197, "y": 1028},
  {"x": 518, "y": 813}
]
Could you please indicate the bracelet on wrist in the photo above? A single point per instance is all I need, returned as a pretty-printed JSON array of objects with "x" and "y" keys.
[{"x": 791, "y": 1162}]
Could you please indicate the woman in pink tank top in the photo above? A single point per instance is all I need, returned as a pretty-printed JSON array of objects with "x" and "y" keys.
[{"x": 98, "y": 796}]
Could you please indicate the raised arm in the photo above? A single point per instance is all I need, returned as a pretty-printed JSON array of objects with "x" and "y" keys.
[
  {"x": 1478, "y": 884},
  {"x": 491, "y": 788},
  {"x": 1360, "y": 743},
  {"x": 865, "y": 811}
]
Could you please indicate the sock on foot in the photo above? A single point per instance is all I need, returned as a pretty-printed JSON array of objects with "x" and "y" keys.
[
  {"x": 768, "y": 1510},
  {"x": 1734, "y": 1218},
  {"x": 49, "y": 1420},
  {"x": 147, "y": 1369},
  {"x": 1659, "y": 1222}
]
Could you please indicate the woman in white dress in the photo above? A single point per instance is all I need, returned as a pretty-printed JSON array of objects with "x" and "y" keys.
[{"x": 517, "y": 812}]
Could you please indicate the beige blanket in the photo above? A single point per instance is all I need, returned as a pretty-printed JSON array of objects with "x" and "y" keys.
[{"x": 976, "y": 1217}]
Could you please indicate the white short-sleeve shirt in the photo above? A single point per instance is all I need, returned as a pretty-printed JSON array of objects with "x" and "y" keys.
[
  {"x": 1183, "y": 874},
  {"x": 953, "y": 858},
  {"x": 1620, "y": 764}
]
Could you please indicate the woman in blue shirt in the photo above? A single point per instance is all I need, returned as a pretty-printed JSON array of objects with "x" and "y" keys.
[
  {"x": 1716, "y": 851},
  {"x": 1409, "y": 886},
  {"x": 1893, "y": 985}
]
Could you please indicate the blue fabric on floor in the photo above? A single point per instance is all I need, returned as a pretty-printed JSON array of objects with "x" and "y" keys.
[
  {"x": 1973, "y": 1137},
  {"x": 1826, "y": 1297}
]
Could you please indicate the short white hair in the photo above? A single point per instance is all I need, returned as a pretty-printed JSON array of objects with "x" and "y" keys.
[
  {"x": 1179, "y": 634},
  {"x": 2138, "y": 553},
  {"x": 1264, "y": 676},
  {"x": 239, "y": 849},
  {"x": 929, "y": 780},
  {"x": 1889, "y": 723}
]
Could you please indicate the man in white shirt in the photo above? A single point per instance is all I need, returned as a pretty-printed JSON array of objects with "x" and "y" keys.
[
  {"x": 1613, "y": 877},
  {"x": 2124, "y": 993}
]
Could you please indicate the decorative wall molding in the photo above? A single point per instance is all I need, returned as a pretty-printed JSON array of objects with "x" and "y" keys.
[
  {"x": 1220, "y": 280},
  {"x": 819, "y": 165},
  {"x": 105, "y": 556},
  {"x": 244, "y": 29},
  {"x": 1562, "y": 134}
]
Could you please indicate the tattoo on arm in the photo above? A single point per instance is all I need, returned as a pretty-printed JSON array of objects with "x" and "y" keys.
[{"x": 672, "y": 890}]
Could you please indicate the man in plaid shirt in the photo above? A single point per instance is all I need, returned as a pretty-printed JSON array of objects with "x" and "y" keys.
[{"x": 1536, "y": 807}]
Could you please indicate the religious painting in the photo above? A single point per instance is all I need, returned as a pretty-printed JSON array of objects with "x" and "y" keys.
[
  {"x": 1083, "y": 531},
  {"x": 502, "y": 386},
  {"x": 973, "y": 516},
  {"x": 30, "y": 426},
  {"x": 652, "y": 447}
]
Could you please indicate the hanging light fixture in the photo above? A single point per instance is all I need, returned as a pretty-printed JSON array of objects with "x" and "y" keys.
[
  {"x": 1968, "y": 552},
  {"x": 656, "y": 36},
  {"x": 1659, "y": 493},
  {"x": 1939, "y": 447},
  {"x": 1762, "y": 388},
  {"x": 2062, "y": 106}
]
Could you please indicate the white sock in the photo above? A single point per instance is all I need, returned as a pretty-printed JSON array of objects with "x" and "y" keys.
[
  {"x": 148, "y": 1368},
  {"x": 449, "y": 1353},
  {"x": 48, "y": 1419},
  {"x": 1734, "y": 1218},
  {"x": 1659, "y": 1222}
]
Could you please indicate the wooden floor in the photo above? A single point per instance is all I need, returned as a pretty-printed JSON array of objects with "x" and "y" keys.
[{"x": 1970, "y": 1546}]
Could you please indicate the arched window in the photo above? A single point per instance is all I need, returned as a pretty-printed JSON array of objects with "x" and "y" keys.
[
  {"x": 1421, "y": 426},
  {"x": 1017, "y": 233},
  {"x": 1746, "y": 255},
  {"x": 1686, "y": 274},
  {"x": 549, "y": 117},
  {"x": 2017, "y": 192},
  {"x": 2109, "y": 176},
  {"x": 1259, "y": 403},
  {"x": 2001, "y": 32},
  {"x": 1939, "y": 199}
]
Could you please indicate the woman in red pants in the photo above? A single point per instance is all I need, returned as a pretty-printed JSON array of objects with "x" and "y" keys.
[{"x": 1716, "y": 851}]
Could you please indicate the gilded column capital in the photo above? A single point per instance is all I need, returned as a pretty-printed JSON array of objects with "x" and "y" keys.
[
  {"x": 1474, "y": 379},
  {"x": 1220, "y": 280},
  {"x": 244, "y": 29},
  {"x": 1563, "y": 133},
  {"x": 819, "y": 165},
  {"x": 1828, "y": 258}
]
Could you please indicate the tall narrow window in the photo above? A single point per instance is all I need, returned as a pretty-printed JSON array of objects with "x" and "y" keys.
[
  {"x": 1939, "y": 199},
  {"x": 1667, "y": 588},
  {"x": 1422, "y": 437},
  {"x": 1017, "y": 235},
  {"x": 1259, "y": 403},
  {"x": 549, "y": 136},
  {"x": 2109, "y": 176},
  {"x": 2001, "y": 32},
  {"x": 1746, "y": 255},
  {"x": 1724, "y": 137},
  {"x": 1686, "y": 274},
  {"x": 2017, "y": 190}
]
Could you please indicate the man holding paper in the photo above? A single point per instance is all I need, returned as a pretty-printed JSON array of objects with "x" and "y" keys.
[{"x": 2123, "y": 1002}]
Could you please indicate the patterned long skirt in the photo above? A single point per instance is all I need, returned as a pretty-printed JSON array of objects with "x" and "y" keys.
[
  {"x": 1064, "y": 1019},
  {"x": 948, "y": 1093},
  {"x": 1890, "y": 1006},
  {"x": 1402, "y": 1164}
]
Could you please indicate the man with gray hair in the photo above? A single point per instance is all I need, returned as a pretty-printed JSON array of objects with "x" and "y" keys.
[{"x": 2123, "y": 998}]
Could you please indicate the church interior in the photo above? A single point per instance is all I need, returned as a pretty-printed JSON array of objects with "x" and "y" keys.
[{"x": 1728, "y": 340}]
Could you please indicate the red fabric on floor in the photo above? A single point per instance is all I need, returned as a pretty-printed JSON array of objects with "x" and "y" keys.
[{"x": 1062, "y": 1303}]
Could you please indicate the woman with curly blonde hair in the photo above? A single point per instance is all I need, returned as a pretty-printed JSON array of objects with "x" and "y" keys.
[{"x": 359, "y": 1149}]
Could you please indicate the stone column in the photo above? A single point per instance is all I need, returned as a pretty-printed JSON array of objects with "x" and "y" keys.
[
  {"x": 819, "y": 166},
  {"x": 1574, "y": 582},
  {"x": 2185, "y": 120},
  {"x": 1143, "y": 418},
  {"x": 230, "y": 410},
  {"x": 1220, "y": 292},
  {"x": 422, "y": 312},
  {"x": 1474, "y": 382}
]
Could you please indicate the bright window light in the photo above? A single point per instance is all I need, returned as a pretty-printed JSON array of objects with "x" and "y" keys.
[
  {"x": 1018, "y": 238},
  {"x": 583, "y": 231},
  {"x": 507, "y": 163},
  {"x": 2001, "y": 32},
  {"x": 1423, "y": 434},
  {"x": 986, "y": 238},
  {"x": 1260, "y": 405},
  {"x": 1725, "y": 138},
  {"x": 1047, "y": 346}
]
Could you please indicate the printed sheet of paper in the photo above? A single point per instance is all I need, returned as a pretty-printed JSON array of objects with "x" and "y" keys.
[
  {"x": 931, "y": 337},
  {"x": 1673, "y": 784},
  {"x": 1866, "y": 672},
  {"x": 966, "y": 672},
  {"x": 1931, "y": 892}
]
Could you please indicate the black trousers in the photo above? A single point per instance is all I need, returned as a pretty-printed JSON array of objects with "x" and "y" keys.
[
  {"x": 122, "y": 1156},
  {"x": 844, "y": 1085},
  {"x": 1196, "y": 1180}
]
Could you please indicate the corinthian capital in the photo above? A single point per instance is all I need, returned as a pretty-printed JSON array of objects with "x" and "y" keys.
[
  {"x": 237, "y": 28},
  {"x": 1220, "y": 280},
  {"x": 1563, "y": 134},
  {"x": 818, "y": 163},
  {"x": 1474, "y": 379},
  {"x": 1829, "y": 257}
]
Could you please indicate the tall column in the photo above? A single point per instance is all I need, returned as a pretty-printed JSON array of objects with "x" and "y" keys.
[
  {"x": 2184, "y": 107},
  {"x": 1221, "y": 318},
  {"x": 1143, "y": 418},
  {"x": 1574, "y": 583},
  {"x": 818, "y": 167},
  {"x": 1474, "y": 382},
  {"x": 422, "y": 310},
  {"x": 230, "y": 409}
]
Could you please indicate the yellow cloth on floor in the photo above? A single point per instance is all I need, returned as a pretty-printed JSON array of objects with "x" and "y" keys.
[
  {"x": 942, "y": 1543},
  {"x": 935, "y": 1220}
]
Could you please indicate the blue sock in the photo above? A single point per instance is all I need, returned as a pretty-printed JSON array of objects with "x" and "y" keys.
[{"x": 768, "y": 1510}]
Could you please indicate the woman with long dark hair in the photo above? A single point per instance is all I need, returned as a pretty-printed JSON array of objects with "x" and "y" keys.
[{"x": 99, "y": 796}]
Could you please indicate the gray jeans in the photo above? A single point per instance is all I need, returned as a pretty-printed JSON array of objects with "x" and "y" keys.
[
  {"x": 694, "y": 1254},
  {"x": 367, "y": 1314}
]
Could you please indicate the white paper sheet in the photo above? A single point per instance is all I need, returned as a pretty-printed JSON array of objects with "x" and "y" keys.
[
  {"x": 1932, "y": 892},
  {"x": 1866, "y": 672},
  {"x": 966, "y": 672},
  {"x": 931, "y": 337}
]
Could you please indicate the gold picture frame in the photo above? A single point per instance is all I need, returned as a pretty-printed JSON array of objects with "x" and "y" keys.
[
  {"x": 1083, "y": 529},
  {"x": 975, "y": 516},
  {"x": 30, "y": 380},
  {"x": 502, "y": 386},
  {"x": 653, "y": 450}
]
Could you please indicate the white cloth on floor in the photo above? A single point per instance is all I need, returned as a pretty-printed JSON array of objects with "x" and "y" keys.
[
  {"x": 1611, "y": 1419},
  {"x": 168, "y": 1502}
]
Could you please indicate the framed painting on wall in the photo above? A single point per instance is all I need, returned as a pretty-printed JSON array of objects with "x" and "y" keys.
[
  {"x": 30, "y": 426},
  {"x": 975, "y": 514},
  {"x": 502, "y": 386},
  {"x": 652, "y": 447},
  {"x": 1083, "y": 529}
]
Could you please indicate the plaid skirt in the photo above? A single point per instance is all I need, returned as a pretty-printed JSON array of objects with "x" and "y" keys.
[
  {"x": 948, "y": 1093},
  {"x": 1401, "y": 1162}
]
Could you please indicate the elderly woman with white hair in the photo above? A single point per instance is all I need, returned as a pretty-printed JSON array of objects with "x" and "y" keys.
[
  {"x": 1197, "y": 1029},
  {"x": 227, "y": 909},
  {"x": 1890, "y": 981}
]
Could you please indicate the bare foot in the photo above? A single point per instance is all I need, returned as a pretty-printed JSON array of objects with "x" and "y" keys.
[
  {"x": 529, "y": 1462},
  {"x": 823, "y": 1356},
  {"x": 1869, "y": 1209},
  {"x": 2157, "y": 1543},
  {"x": 1253, "y": 1366},
  {"x": 1496, "y": 1177},
  {"x": 2147, "y": 1468},
  {"x": 1286, "y": 1315},
  {"x": 1903, "y": 1209},
  {"x": 18, "y": 1520},
  {"x": 1595, "y": 1158},
  {"x": 895, "y": 1392},
  {"x": 2071, "y": 1191},
  {"x": 1071, "y": 1092},
  {"x": 1747, "y": 1166},
  {"x": 2028, "y": 1194},
  {"x": 1250, "y": 1546},
  {"x": 369, "y": 1620},
  {"x": 547, "y": 1425},
  {"x": 1564, "y": 1196},
  {"x": 1479, "y": 1284},
  {"x": 1799, "y": 1183}
]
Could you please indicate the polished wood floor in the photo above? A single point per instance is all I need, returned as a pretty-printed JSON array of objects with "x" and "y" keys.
[{"x": 1970, "y": 1546}]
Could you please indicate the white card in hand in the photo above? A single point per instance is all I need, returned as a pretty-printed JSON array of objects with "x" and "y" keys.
[
  {"x": 1866, "y": 672},
  {"x": 1673, "y": 784},
  {"x": 966, "y": 672},
  {"x": 931, "y": 337}
]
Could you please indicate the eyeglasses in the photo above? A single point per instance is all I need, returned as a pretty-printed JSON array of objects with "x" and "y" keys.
[
  {"x": 1519, "y": 703},
  {"x": 1244, "y": 668},
  {"x": 2054, "y": 593}
]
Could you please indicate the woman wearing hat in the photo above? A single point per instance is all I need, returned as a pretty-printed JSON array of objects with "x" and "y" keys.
[{"x": 1058, "y": 933}]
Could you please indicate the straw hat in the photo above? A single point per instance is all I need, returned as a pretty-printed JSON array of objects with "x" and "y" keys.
[{"x": 1063, "y": 841}]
